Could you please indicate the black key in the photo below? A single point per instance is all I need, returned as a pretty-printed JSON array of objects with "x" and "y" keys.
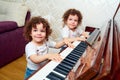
[
  {"x": 74, "y": 54},
  {"x": 80, "y": 49},
  {"x": 54, "y": 76},
  {"x": 77, "y": 53},
  {"x": 70, "y": 64},
  {"x": 63, "y": 68},
  {"x": 73, "y": 59},
  {"x": 61, "y": 71},
  {"x": 76, "y": 50},
  {"x": 70, "y": 61},
  {"x": 83, "y": 44},
  {"x": 65, "y": 65}
]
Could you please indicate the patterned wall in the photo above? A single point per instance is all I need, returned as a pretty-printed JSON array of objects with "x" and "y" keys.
[
  {"x": 95, "y": 13},
  {"x": 14, "y": 0}
]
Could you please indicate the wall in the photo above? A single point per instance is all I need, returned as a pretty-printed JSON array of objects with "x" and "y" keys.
[
  {"x": 14, "y": 0},
  {"x": 95, "y": 13}
]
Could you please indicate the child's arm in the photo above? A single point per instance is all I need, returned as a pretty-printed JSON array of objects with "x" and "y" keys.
[
  {"x": 65, "y": 41},
  {"x": 60, "y": 44},
  {"x": 50, "y": 56},
  {"x": 69, "y": 41}
]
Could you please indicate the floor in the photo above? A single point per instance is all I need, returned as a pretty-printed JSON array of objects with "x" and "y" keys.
[{"x": 14, "y": 70}]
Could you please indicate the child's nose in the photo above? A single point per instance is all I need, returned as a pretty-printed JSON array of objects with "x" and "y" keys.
[
  {"x": 73, "y": 21},
  {"x": 39, "y": 32}
]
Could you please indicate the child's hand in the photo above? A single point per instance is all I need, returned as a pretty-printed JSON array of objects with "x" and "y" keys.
[
  {"x": 55, "y": 57},
  {"x": 82, "y": 38},
  {"x": 68, "y": 42},
  {"x": 85, "y": 34}
]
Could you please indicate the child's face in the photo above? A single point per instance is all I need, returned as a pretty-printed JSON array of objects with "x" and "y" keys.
[
  {"x": 38, "y": 34},
  {"x": 72, "y": 22}
]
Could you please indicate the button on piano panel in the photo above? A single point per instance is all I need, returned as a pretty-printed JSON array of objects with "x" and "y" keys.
[{"x": 69, "y": 62}]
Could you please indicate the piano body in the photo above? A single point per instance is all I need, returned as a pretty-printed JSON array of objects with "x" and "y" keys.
[
  {"x": 85, "y": 62},
  {"x": 94, "y": 60},
  {"x": 107, "y": 63}
]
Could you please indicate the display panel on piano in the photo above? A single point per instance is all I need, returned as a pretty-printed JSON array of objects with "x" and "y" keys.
[{"x": 60, "y": 70}]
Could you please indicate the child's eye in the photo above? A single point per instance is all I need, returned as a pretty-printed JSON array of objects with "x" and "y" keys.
[
  {"x": 70, "y": 19},
  {"x": 43, "y": 31},
  {"x": 35, "y": 30},
  {"x": 76, "y": 20}
]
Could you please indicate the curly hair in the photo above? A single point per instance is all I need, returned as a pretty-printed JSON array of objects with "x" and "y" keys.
[
  {"x": 32, "y": 23},
  {"x": 72, "y": 12}
]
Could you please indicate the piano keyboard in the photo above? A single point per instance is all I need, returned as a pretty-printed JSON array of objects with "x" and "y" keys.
[{"x": 59, "y": 71}]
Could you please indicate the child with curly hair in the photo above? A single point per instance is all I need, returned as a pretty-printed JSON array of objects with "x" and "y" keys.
[
  {"x": 72, "y": 18},
  {"x": 37, "y": 32}
]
